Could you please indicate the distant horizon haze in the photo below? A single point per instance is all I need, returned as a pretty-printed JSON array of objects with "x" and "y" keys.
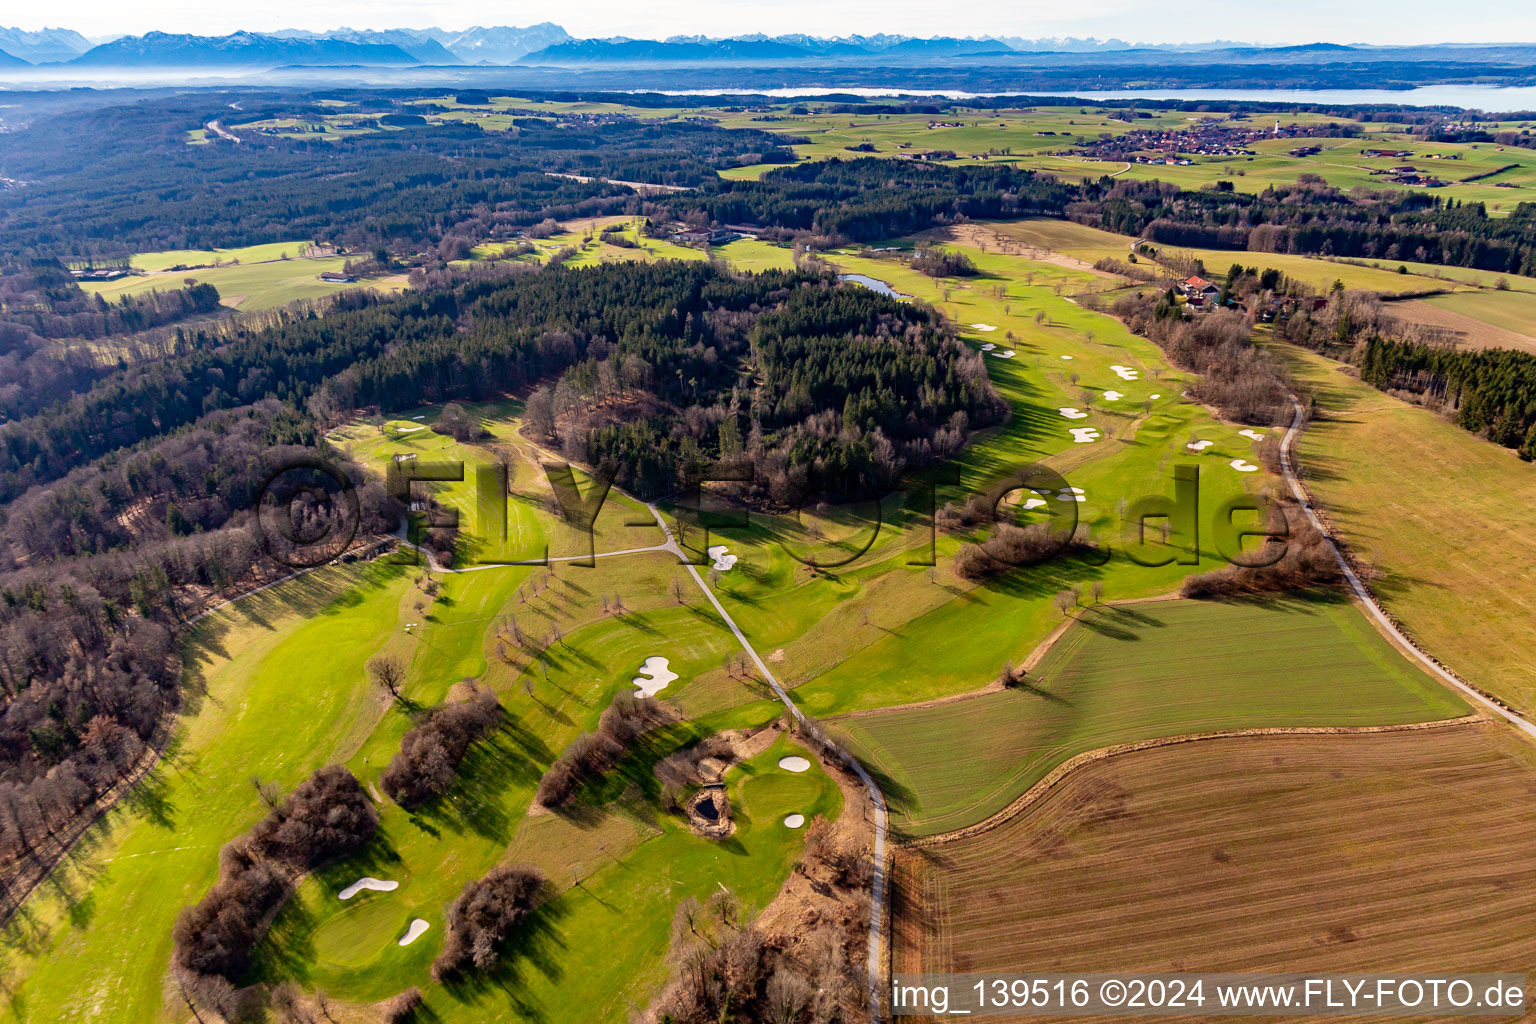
[{"x": 1365, "y": 22}]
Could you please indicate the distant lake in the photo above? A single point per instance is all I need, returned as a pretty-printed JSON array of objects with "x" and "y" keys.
[
  {"x": 873, "y": 284},
  {"x": 1480, "y": 97}
]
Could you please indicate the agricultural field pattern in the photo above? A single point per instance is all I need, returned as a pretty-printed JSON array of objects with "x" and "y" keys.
[{"x": 786, "y": 545}]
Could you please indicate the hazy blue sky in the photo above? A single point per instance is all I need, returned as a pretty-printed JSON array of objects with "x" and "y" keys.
[{"x": 1374, "y": 21}]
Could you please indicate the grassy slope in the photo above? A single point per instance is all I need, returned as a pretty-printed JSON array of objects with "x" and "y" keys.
[
  {"x": 1127, "y": 673},
  {"x": 1091, "y": 244},
  {"x": 1441, "y": 514},
  {"x": 285, "y": 694},
  {"x": 1510, "y": 310},
  {"x": 947, "y": 641},
  {"x": 251, "y": 286}
]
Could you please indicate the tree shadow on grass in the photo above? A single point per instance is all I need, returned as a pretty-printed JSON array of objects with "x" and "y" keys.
[
  {"x": 535, "y": 947},
  {"x": 472, "y": 805}
]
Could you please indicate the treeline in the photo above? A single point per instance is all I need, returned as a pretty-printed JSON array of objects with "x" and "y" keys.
[
  {"x": 1315, "y": 219},
  {"x": 670, "y": 365},
  {"x": 1491, "y": 392},
  {"x": 594, "y": 754},
  {"x": 1240, "y": 380},
  {"x": 41, "y": 306},
  {"x": 427, "y": 765},
  {"x": 326, "y": 817},
  {"x": 88, "y": 170},
  {"x": 47, "y": 301},
  {"x": 189, "y": 484},
  {"x": 871, "y": 198},
  {"x": 822, "y": 387},
  {"x": 97, "y": 575}
]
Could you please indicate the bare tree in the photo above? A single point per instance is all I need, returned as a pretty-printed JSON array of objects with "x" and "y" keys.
[
  {"x": 388, "y": 672},
  {"x": 270, "y": 792},
  {"x": 677, "y": 591},
  {"x": 1065, "y": 602},
  {"x": 1098, "y": 591}
]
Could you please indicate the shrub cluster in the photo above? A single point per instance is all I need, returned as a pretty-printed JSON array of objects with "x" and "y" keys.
[
  {"x": 326, "y": 817},
  {"x": 594, "y": 753},
  {"x": 1308, "y": 563},
  {"x": 483, "y": 915},
  {"x": 430, "y": 754}
]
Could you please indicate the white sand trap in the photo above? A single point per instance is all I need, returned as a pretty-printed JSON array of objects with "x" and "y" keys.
[
  {"x": 1005, "y": 354},
  {"x": 984, "y": 327},
  {"x": 407, "y": 430},
  {"x": 1253, "y": 435},
  {"x": 417, "y": 929},
  {"x": 794, "y": 820},
  {"x": 374, "y": 884},
  {"x": 1126, "y": 373},
  {"x": 654, "y": 675},
  {"x": 1071, "y": 413},
  {"x": 989, "y": 346},
  {"x": 1157, "y": 396},
  {"x": 1071, "y": 494},
  {"x": 1199, "y": 446},
  {"x": 794, "y": 763},
  {"x": 418, "y": 417},
  {"x": 1066, "y": 357},
  {"x": 1085, "y": 435},
  {"x": 723, "y": 561},
  {"x": 1244, "y": 467},
  {"x": 1033, "y": 503},
  {"x": 1112, "y": 396}
]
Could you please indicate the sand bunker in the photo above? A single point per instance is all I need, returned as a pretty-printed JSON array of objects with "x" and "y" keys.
[
  {"x": 984, "y": 327},
  {"x": 415, "y": 931},
  {"x": 1126, "y": 373},
  {"x": 1157, "y": 396},
  {"x": 1085, "y": 435},
  {"x": 794, "y": 763},
  {"x": 1071, "y": 413},
  {"x": 654, "y": 675},
  {"x": 1255, "y": 435},
  {"x": 418, "y": 417},
  {"x": 1066, "y": 357},
  {"x": 1199, "y": 446},
  {"x": 1244, "y": 467},
  {"x": 1033, "y": 503},
  {"x": 1112, "y": 396},
  {"x": 723, "y": 561},
  {"x": 988, "y": 347},
  {"x": 794, "y": 820},
  {"x": 1071, "y": 494},
  {"x": 375, "y": 884},
  {"x": 407, "y": 430},
  {"x": 1005, "y": 354}
]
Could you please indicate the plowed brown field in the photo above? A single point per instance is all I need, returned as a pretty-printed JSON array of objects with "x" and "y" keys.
[{"x": 1383, "y": 852}]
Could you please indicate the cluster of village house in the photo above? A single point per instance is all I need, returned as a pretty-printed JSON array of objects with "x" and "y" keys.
[
  {"x": 1407, "y": 174},
  {"x": 1205, "y": 138},
  {"x": 1202, "y": 296}
]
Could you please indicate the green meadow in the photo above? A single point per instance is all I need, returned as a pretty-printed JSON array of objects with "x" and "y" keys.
[{"x": 1125, "y": 673}]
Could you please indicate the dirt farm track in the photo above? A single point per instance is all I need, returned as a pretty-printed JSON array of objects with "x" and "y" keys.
[{"x": 1272, "y": 853}]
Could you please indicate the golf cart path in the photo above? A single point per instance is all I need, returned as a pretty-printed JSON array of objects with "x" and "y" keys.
[
  {"x": 877, "y": 800},
  {"x": 1367, "y": 599}
]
